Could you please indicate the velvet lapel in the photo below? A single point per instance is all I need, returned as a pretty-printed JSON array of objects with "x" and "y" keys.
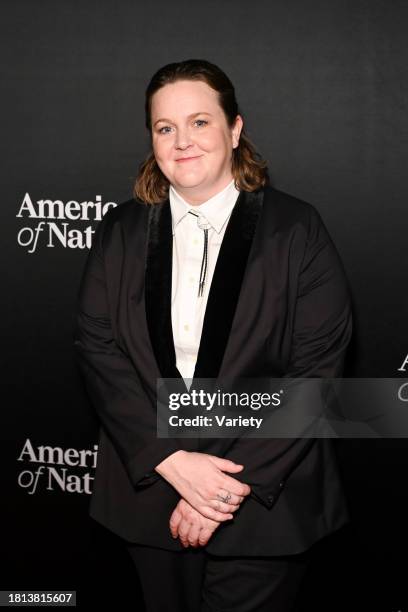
[
  {"x": 226, "y": 283},
  {"x": 158, "y": 277},
  {"x": 224, "y": 291}
]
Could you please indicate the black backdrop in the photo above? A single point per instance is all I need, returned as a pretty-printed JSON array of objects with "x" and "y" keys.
[{"x": 322, "y": 86}]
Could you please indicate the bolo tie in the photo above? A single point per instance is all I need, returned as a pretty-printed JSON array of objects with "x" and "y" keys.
[{"x": 205, "y": 226}]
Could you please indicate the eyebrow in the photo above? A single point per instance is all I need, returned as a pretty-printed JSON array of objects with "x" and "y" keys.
[{"x": 189, "y": 117}]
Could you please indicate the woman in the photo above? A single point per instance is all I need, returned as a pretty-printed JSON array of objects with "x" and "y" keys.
[{"x": 208, "y": 271}]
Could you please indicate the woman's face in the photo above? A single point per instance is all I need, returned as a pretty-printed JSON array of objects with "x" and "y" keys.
[{"x": 191, "y": 139}]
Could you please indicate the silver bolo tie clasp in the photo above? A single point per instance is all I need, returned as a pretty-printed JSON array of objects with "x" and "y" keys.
[{"x": 205, "y": 226}]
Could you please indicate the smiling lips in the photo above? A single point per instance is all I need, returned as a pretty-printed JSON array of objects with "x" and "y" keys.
[{"x": 186, "y": 159}]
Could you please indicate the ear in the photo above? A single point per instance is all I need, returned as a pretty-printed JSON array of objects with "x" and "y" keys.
[{"x": 236, "y": 131}]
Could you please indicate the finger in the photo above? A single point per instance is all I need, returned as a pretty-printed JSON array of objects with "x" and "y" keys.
[
  {"x": 234, "y": 486},
  {"x": 175, "y": 519},
  {"x": 193, "y": 535},
  {"x": 204, "y": 536},
  {"x": 226, "y": 465},
  {"x": 175, "y": 522},
  {"x": 229, "y": 498},
  {"x": 214, "y": 515},
  {"x": 183, "y": 530},
  {"x": 222, "y": 506}
]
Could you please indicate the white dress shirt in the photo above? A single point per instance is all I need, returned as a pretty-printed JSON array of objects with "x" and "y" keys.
[{"x": 187, "y": 308}]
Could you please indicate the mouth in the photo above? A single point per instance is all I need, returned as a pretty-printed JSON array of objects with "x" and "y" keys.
[{"x": 187, "y": 159}]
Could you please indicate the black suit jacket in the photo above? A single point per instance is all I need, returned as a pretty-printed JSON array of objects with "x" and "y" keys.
[{"x": 278, "y": 306}]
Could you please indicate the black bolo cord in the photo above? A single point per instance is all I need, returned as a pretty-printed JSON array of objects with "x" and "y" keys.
[{"x": 204, "y": 261}]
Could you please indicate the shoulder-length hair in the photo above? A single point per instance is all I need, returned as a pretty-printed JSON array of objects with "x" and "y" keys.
[{"x": 248, "y": 169}]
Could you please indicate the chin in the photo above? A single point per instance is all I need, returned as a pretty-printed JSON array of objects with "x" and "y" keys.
[{"x": 192, "y": 182}]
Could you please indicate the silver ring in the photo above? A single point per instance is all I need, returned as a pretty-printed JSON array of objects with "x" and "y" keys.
[{"x": 225, "y": 498}]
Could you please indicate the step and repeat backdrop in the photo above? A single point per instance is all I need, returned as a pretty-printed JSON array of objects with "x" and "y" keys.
[{"x": 322, "y": 87}]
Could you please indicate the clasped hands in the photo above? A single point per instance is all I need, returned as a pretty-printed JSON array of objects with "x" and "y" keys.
[{"x": 200, "y": 480}]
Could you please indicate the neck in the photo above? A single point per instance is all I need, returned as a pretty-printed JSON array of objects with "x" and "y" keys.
[{"x": 195, "y": 198}]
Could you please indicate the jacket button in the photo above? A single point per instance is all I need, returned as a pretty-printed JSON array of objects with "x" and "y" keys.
[{"x": 270, "y": 498}]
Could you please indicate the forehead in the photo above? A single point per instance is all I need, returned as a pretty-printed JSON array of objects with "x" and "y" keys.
[{"x": 184, "y": 97}]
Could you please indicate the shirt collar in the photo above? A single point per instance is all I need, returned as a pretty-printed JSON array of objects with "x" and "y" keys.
[{"x": 215, "y": 210}]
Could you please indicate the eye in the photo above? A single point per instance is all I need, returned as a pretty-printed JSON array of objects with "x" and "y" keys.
[
  {"x": 166, "y": 127},
  {"x": 201, "y": 121}
]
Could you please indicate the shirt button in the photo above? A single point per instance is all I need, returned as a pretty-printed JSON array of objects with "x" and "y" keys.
[
  {"x": 186, "y": 327},
  {"x": 195, "y": 241},
  {"x": 191, "y": 279}
]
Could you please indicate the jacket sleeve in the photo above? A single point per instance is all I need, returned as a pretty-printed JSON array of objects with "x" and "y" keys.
[
  {"x": 321, "y": 332},
  {"x": 125, "y": 409}
]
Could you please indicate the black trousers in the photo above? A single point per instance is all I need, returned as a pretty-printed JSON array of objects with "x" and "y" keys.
[{"x": 192, "y": 580}]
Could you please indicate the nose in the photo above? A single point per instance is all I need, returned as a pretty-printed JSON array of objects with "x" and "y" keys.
[{"x": 183, "y": 139}]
